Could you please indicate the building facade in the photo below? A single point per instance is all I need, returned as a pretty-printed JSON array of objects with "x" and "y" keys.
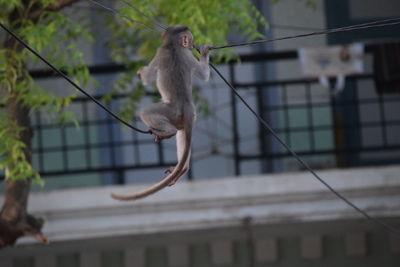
[{"x": 246, "y": 200}]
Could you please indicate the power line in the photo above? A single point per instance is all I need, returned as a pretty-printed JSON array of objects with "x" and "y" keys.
[
  {"x": 121, "y": 15},
  {"x": 72, "y": 82},
  {"x": 303, "y": 163},
  {"x": 274, "y": 26},
  {"x": 375, "y": 24},
  {"x": 261, "y": 120},
  {"x": 155, "y": 22},
  {"x": 269, "y": 128}
]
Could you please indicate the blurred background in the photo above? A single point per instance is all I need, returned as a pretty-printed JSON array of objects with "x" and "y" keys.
[{"x": 246, "y": 201}]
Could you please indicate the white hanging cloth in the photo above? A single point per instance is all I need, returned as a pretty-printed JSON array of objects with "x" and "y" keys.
[{"x": 334, "y": 61}]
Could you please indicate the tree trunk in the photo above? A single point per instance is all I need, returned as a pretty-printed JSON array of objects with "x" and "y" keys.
[{"x": 15, "y": 221}]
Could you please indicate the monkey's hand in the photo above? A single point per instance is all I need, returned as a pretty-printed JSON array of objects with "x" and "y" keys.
[
  {"x": 139, "y": 74},
  {"x": 205, "y": 51},
  {"x": 202, "y": 68},
  {"x": 144, "y": 75}
]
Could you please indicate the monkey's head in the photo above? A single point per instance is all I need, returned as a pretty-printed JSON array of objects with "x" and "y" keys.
[{"x": 178, "y": 35}]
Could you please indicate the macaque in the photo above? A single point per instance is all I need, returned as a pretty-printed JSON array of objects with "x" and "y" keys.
[{"x": 174, "y": 66}]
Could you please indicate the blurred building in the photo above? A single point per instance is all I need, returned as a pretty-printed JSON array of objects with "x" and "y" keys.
[{"x": 246, "y": 200}]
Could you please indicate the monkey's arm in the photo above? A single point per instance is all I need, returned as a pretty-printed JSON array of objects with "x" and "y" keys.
[
  {"x": 148, "y": 73},
  {"x": 202, "y": 69}
]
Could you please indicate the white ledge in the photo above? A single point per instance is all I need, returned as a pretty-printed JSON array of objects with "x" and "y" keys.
[{"x": 269, "y": 199}]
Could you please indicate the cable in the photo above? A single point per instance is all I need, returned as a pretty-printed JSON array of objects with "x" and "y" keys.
[
  {"x": 304, "y": 164},
  {"x": 121, "y": 15},
  {"x": 293, "y": 27},
  {"x": 155, "y": 22},
  {"x": 266, "y": 126},
  {"x": 374, "y": 24},
  {"x": 261, "y": 120},
  {"x": 72, "y": 82}
]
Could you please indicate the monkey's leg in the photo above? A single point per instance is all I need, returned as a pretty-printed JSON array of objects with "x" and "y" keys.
[{"x": 159, "y": 117}]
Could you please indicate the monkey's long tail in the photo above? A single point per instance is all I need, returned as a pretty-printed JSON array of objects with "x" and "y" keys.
[{"x": 171, "y": 177}]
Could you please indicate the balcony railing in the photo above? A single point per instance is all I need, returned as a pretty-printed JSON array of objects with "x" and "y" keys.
[{"x": 357, "y": 127}]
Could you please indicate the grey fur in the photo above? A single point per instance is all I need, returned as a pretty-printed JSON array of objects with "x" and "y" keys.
[{"x": 174, "y": 66}]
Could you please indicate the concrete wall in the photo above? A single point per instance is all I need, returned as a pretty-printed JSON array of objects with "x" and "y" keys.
[{"x": 287, "y": 218}]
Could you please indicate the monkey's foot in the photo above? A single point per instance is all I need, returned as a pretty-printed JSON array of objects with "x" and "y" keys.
[
  {"x": 171, "y": 169},
  {"x": 158, "y": 138}
]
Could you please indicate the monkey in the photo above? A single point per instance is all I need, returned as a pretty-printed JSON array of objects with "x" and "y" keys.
[{"x": 173, "y": 66}]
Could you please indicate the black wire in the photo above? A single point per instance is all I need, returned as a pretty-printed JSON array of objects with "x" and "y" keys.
[
  {"x": 72, "y": 82},
  {"x": 266, "y": 126},
  {"x": 305, "y": 165},
  {"x": 375, "y": 24},
  {"x": 292, "y": 27},
  {"x": 121, "y": 15},
  {"x": 261, "y": 120},
  {"x": 155, "y": 22}
]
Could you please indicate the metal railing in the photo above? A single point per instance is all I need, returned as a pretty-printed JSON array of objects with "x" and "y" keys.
[
  {"x": 347, "y": 134},
  {"x": 356, "y": 138}
]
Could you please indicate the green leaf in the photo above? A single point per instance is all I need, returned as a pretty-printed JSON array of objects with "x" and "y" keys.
[{"x": 59, "y": 38}]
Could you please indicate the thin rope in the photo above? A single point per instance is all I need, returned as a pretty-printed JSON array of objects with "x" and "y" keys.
[
  {"x": 375, "y": 24},
  {"x": 155, "y": 22},
  {"x": 303, "y": 163},
  {"x": 261, "y": 120},
  {"x": 72, "y": 82},
  {"x": 123, "y": 16},
  {"x": 294, "y": 154}
]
